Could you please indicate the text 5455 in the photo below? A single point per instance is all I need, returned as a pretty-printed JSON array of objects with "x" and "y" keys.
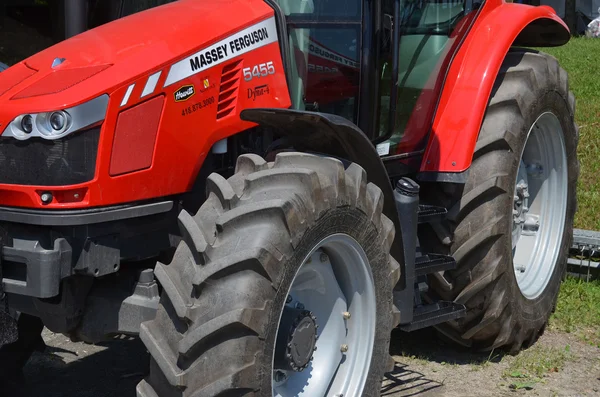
[{"x": 258, "y": 71}]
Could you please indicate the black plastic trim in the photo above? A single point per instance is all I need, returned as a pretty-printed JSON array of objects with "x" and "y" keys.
[
  {"x": 395, "y": 70},
  {"x": 44, "y": 269},
  {"x": 81, "y": 217},
  {"x": 370, "y": 43},
  {"x": 435, "y": 313},
  {"x": 284, "y": 43},
  {"x": 542, "y": 32},
  {"x": 431, "y": 213},
  {"x": 450, "y": 177},
  {"x": 406, "y": 155},
  {"x": 432, "y": 263}
]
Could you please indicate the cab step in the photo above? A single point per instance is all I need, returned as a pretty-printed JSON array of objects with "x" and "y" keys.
[
  {"x": 435, "y": 313},
  {"x": 431, "y": 213},
  {"x": 432, "y": 263}
]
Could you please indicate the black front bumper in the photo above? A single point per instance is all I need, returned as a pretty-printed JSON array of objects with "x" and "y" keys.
[{"x": 40, "y": 248}]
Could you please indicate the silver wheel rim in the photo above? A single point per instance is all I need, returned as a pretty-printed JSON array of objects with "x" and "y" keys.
[
  {"x": 540, "y": 206},
  {"x": 335, "y": 283}
]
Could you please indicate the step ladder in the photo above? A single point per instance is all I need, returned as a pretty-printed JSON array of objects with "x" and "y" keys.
[{"x": 414, "y": 314}]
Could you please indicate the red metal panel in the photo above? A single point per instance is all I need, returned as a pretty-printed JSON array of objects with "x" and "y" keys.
[
  {"x": 144, "y": 45},
  {"x": 135, "y": 136},
  {"x": 13, "y": 76},
  {"x": 470, "y": 80},
  {"x": 59, "y": 80}
]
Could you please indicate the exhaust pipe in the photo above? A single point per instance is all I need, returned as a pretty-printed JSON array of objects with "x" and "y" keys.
[{"x": 75, "y": 17}]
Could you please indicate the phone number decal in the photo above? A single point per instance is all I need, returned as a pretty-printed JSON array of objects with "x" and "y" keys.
[{"x": 198, "y": 106}]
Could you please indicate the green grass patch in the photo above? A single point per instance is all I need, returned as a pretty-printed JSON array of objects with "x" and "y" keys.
[
  {"x": 532, "y": 365},
  {"x": 581, "y": 59},
  {"x": 578, "y": 310}
]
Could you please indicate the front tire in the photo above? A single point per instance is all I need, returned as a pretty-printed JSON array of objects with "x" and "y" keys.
[
  {"x": 509, "y": 292},
  {"x": 14, "y": 356},
  {"x": 239, "y": 265}
]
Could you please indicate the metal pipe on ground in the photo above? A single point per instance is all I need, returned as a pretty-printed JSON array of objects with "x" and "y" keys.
[{"x": 585, "y": 254}]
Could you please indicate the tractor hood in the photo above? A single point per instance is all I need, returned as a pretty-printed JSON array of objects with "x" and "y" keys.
[{"x": 114, "y": 55}]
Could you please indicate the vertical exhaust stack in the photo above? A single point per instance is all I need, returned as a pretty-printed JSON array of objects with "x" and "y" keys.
[{"x": 75, "y": 17}]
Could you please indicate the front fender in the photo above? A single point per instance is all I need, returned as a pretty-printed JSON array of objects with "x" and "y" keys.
[
  {"x": 334, "y": 136},
  {"x": 472, "y": 75}
]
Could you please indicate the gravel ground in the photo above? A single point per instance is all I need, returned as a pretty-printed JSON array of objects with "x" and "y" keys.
[{"x": 424, "y": 367}]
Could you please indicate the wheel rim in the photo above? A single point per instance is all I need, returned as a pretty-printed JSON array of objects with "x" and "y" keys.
[
  {"x": 336, "y": 285},
  {"x": 540, "y": 206}
]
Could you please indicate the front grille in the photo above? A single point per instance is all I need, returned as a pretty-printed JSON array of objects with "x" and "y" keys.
[{"x": 66, "y": 161}]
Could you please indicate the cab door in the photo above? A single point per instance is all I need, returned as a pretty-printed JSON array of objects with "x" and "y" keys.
[{"x": 430, "y": 32}]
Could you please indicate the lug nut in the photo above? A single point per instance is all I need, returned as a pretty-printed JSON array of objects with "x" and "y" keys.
[
  {"x": 279, "y": 376},
  {"x": 344, "y": 348},
  {"x": 346, "y": 315}
]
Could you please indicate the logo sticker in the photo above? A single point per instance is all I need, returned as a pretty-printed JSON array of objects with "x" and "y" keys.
[
  {"x": 206, "y": 85},
  {"x": 242, "y": 42},
  {"x": 257, "y": 91},
  {"x": 185, "y": 93}
]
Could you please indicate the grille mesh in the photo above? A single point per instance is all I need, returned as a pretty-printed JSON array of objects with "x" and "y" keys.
[{"x": 66, "y": 161}]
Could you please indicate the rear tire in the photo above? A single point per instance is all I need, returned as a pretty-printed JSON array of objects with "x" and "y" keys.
[
  {"x": 499, "y": 314},
  {"x": 229, "y": 279}
]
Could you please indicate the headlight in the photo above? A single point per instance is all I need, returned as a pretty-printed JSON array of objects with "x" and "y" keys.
[
  {"x": 27, "y": 124},
  {"x": 59, "y": 123}
]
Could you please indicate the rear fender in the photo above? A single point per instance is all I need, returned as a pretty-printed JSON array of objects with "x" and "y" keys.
[{"x": 471, "y": 78}]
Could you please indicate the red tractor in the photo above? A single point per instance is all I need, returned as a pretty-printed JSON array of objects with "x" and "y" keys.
[{"x": 264, "y": 189}]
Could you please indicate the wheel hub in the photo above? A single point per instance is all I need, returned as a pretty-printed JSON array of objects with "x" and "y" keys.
[
  {"x": 296, "y": 340},
  {"x": 540, "y": 205},
  {"x": 334, "y": 284},
  {"x": 520, "y": 203}
]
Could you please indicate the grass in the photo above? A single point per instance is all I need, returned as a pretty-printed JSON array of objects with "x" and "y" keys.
[
  {"x": 581, "y": 59},
  {"x": 578, "y": 310},
  {"x": 532, "y": 365}
]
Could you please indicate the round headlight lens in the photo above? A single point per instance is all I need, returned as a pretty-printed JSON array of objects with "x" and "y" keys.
[
  {"x": 27, "y": 124},
  {"x": 58, "y": 121}
]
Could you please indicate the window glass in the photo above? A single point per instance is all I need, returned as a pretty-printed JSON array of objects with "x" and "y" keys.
[
  {"x": 428, "y": 31},
  {"x": 334, "y": 9},
  {"x": 324, "y": 37}
]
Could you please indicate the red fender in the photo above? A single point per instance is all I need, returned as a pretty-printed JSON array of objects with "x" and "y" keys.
[{"x": 472, "y": 74}]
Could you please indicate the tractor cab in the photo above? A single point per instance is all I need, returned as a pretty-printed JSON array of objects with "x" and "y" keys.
[{"x": 345, "y": 57}]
